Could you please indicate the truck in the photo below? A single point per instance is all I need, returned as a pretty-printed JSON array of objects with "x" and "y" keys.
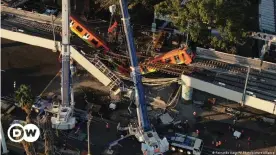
[{"x": 185, "y": 144}]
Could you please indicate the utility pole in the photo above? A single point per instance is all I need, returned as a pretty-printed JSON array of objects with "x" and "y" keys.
[
  {"x": 65, "y": 72},
  {"x": 245, "y": 86},
  {"x": 187, "y": 34},
  {"x": 88, "y": 131}
]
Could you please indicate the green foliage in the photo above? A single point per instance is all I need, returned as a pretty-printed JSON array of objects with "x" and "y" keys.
[
  {"x": 197, "y": 17},
  {"x": 104, "y": 4},
  {"x": 24, "y": 97}
]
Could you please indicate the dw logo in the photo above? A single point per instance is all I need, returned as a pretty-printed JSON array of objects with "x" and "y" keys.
[{"x": 29, "y": 133}]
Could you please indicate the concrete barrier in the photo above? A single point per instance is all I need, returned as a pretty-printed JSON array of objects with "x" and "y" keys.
[{"x": 235, "y": 59}]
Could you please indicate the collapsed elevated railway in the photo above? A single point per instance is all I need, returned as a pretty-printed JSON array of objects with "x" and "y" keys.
[{"x": 231, "y": 76}]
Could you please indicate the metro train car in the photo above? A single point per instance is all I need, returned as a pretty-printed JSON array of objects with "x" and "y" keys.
[
  {"x": 87, "y": 34},
  {"x": 177, "y": 56}
]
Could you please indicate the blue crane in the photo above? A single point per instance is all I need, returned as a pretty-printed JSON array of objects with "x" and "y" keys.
[
  {"x": 136, "y": 75},
  {"x": 151, "y": 143}
]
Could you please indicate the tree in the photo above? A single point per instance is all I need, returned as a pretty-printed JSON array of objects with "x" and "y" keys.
[
  {"x": 198, "y": 17},
  {"x": 24, "y": 97},
  {"x": 46, "y": 125}
]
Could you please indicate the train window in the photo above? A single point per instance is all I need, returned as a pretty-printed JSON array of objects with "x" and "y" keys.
[
  {"x": 79, "y": 29},
  {"x": 168, "y": 60},
  {"x": 183, "y": 56},
  {"x": 95, "y": 42},
  {"x": 177, "y": 59}
]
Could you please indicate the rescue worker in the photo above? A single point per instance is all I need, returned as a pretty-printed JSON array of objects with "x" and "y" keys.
[
  {"x": 219, "y": 143},
  {"x": 197, "y": 132},
  {"x": 234, "y": 121},
  {"x": 107, "y": 126},
  {"x": 78, "y": 128}
]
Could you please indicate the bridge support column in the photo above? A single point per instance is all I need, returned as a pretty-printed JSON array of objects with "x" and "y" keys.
[{"x": 187, "y": 93}]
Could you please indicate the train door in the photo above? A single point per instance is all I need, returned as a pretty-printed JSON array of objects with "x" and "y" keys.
[
  {"x": 177, "y": 59},
  {"x": 94, "y": 42}
]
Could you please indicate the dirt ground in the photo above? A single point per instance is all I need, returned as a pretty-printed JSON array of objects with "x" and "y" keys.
[
  {"x": 32, "y": 65},
  {"x": 18, "y": 55}
]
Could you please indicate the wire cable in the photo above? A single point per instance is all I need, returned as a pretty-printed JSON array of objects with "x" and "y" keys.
[{"x": 49, "y": 84}]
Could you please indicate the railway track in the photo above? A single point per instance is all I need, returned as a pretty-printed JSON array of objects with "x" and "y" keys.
[
  {"x": 213, "y": 64},
  {"x": 46, "y": 27}
]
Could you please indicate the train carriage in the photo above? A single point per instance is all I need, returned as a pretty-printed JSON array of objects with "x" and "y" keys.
[
  {"x": 87, "y": 34},
  {"x": 177, "y": 56}
]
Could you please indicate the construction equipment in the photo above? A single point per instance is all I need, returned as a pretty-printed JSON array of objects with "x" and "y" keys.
[
  {"x": 151, "y": 142},
  {"x": 186, "y": 144},
  {"x": 64, "y": 119}
]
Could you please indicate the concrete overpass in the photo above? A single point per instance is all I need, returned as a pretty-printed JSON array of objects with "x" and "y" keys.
[{"x": 92, "y": 65}]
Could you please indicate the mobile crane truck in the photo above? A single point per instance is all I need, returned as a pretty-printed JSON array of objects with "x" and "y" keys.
[{"x": 151, "y": 142}]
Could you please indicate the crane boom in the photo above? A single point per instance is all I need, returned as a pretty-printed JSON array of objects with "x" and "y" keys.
[
  {"x": 136, "y": 75},
  {"x": 65, "y": 73},
  {"x": 151, "y": 142},
  {"x": 64, "y": 119}
]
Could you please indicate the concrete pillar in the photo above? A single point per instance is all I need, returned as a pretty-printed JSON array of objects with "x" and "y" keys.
[
  {"x": 187, "y": 92},
  {"x": 3, "y": 141}
]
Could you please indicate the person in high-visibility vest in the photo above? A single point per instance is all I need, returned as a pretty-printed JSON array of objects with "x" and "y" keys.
[
  {"x": 107, "y": 126},
  {"x": 219, "y": 143}
]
